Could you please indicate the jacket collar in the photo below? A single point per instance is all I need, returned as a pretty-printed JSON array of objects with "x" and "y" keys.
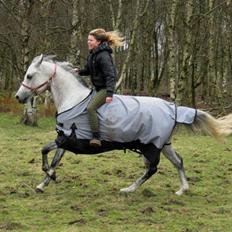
[{"x": 102, "y": 47}]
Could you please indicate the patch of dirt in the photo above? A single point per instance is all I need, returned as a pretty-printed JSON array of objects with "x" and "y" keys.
[
  {"x": 25, "y": 173},
  {"x": 147, "y": 210},
  {"x": 75, "y": 208},
  {"x": 161, "y": 172},
  {"x": 194, "y": 179},
  {"x": 75, "y": 161},
  {"x": 102, "y": 212},
  {"x": 32, "y": 161},
  {"x": 174, "y": 202},
  {"x": 190, "y": 230},
  {"x": 11, "y": 226},
  {"x": 22, "y": 190},
  {"x": 148, "y": 193},
  {"x": 131, "y": 177},
  {"x": 119, "y": 173},
  {"x": 197, "y": 171},
  {"x": 24, "y": 194},
  {"x": 12, "y": 190},
  {"x": 221, "y": 210},
  {"x": 80, "y": 221},
  {"x": 106, "y": 173}
]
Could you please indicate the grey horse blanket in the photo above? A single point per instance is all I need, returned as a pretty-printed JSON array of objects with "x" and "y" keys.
[{"x": 127, "y": 119}]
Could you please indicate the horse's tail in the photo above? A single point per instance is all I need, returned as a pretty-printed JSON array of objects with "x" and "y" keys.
[{"x": 217, "y": 128}]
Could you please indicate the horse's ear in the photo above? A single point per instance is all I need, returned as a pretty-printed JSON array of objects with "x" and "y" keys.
[{"x": 39, "y": 61}]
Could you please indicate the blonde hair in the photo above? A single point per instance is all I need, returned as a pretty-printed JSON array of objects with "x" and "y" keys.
[{"x": 114, "y": 38}]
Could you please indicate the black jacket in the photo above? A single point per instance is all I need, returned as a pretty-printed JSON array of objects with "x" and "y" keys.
[{"x": 101, "y": 68}]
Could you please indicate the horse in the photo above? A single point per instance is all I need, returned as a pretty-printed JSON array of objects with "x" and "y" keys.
[{"x": 149, "y": 135}]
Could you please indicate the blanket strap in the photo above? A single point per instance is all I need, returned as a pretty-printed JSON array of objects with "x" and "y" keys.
[{"x": 135, "y": 150}]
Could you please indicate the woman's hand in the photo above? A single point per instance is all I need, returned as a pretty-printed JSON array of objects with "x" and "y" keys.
[
  {"x": 77, "y": 69},
  {"x": 109, "y": 99}
]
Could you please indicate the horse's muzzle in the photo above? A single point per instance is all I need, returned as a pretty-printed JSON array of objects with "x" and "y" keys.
[{"x": 21, "y": 100}]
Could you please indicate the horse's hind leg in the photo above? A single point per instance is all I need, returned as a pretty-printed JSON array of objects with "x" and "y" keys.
[
  {"x": 150, "y": 168},
  {"x": 177, "y": 161}
]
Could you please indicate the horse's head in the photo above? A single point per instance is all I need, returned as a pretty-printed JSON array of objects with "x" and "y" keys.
[{"x": 36, "y": 80}]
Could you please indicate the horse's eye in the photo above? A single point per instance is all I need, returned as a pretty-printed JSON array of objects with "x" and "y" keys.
[{"x": 29, "y": 77}]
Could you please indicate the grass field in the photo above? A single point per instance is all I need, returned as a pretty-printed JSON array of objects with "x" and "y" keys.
[{"x": 86, "y": 194}]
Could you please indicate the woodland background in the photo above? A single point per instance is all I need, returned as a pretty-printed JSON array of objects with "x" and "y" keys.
[{"x": 176, "y": 49}]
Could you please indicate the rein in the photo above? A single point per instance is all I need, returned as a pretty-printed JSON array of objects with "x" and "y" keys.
[{"x": 34, "y": 90}]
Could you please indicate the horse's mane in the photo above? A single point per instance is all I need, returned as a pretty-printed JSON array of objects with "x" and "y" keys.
[{"x": 67, "y": 66}]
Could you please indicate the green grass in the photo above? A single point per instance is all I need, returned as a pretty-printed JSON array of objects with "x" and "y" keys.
[{"x": 86, "y": 194}]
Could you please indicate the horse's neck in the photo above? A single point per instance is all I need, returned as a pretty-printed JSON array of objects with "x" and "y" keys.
[{"x": 67, "y": 91}]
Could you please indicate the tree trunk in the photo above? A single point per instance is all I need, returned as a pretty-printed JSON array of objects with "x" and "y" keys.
[
  {"x": 211, "y": 76},
  {"x": 74, "y": 54},
  {"x": 116, "y": 18},
  {"x": 30, "y": 111},
  {"x": 132, "y": 39},
  {"x": 172, "y": 61},
  {"x": 183, "y": 90}
]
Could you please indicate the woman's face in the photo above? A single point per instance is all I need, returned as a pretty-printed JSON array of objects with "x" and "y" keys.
[{"x": 92, "y": 42}]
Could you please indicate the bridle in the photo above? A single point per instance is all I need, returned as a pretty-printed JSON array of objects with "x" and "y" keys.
[{"x": 35, "y": 89}]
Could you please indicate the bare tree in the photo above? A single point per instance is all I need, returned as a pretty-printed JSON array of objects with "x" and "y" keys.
[
  {"x": 181, "y": 49},
  {"x": 25, "y": 9},
  {"x": 74, "y": 54},
  {"x": 140, "y": 10},
  {"x": 171, "y": 38}
]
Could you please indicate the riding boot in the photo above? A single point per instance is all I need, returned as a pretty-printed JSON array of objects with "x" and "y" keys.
[{"x": 95, "y": 141}]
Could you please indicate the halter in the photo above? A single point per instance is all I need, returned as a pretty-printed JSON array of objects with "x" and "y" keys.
[{"x": 34, "y": 90}]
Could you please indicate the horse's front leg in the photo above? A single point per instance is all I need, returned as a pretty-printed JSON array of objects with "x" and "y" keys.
[
  {"x": 51, "y": 175},
  {"x": 45, "y": 150}
]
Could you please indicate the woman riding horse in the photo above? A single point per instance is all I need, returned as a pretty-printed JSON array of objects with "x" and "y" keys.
[
  {"x": 101, "y": 68},
  {"x": 129, "y": 122}
]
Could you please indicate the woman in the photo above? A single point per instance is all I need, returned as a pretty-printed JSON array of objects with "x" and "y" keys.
[{"x": 101, "y": 68}]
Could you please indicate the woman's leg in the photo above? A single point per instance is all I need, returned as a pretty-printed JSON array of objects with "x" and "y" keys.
[{"x": 98, "y": 100}]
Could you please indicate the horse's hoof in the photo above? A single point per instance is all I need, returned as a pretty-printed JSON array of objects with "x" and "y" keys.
[
  {"x": 181, "y": 191},
  {"x": 123, "y": 191},
  {"x": 127, "y": 190},
  {"x": 39, "y": 190}
]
